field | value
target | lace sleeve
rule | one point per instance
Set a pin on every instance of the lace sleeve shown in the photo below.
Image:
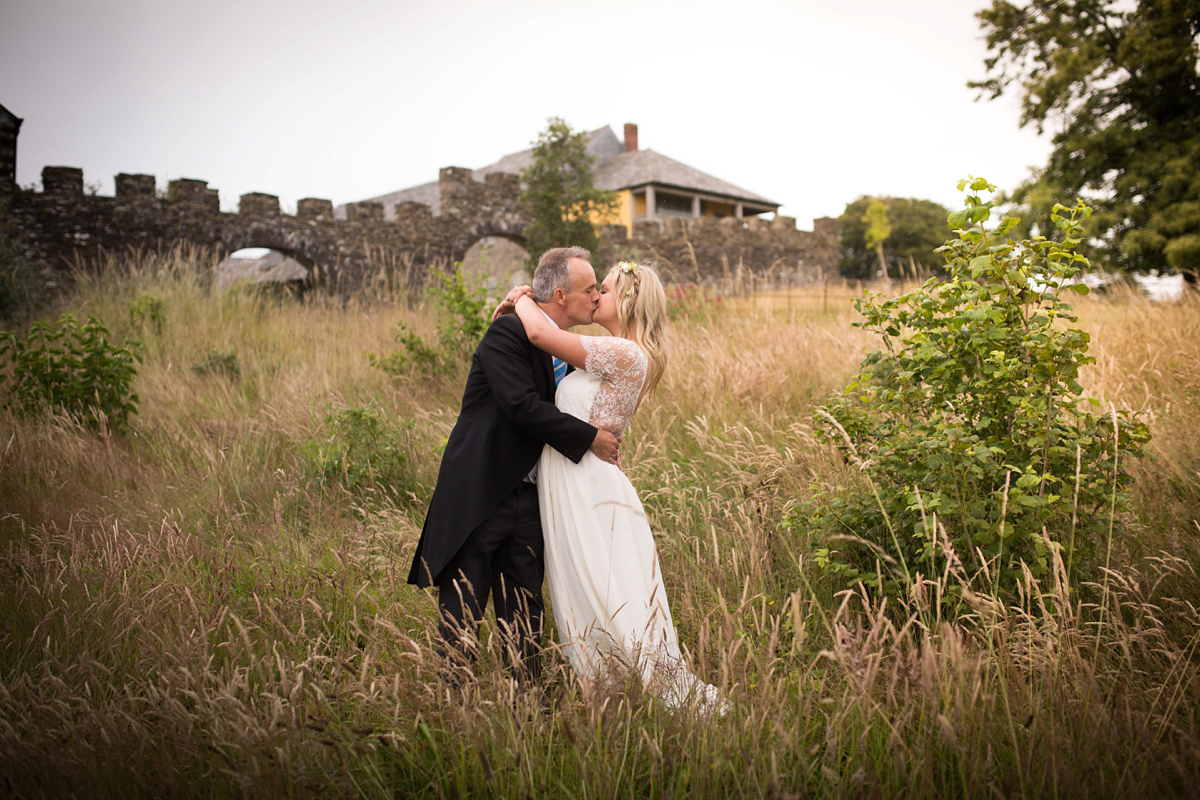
(621, 366)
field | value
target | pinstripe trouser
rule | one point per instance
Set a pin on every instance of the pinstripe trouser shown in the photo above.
(503, 557)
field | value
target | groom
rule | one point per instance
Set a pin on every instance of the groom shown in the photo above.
(483, 531)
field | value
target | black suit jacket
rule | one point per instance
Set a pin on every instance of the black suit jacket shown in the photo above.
(507, 416)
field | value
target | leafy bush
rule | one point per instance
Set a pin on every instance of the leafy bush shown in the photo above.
(970, 426)
(146, 311)
(217, 362)
(362, 454)
(70, 367)
(415, 355)
(461, 324)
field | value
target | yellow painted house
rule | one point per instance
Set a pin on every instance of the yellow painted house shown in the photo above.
(649, 186)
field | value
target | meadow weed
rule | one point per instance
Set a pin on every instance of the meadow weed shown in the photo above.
(194, 609)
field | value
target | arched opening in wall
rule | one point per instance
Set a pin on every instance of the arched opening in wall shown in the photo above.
(502, 262)
(266, 269)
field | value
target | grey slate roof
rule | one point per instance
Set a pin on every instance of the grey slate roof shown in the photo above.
(603, 144)
(427, 193)
(630, 170)
(615, 169)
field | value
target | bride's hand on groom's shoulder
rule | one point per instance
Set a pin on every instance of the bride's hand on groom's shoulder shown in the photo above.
(509, 304)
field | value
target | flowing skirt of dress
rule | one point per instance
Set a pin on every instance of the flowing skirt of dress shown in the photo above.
(602, 572)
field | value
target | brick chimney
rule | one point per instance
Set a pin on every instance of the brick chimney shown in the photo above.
(630, 137)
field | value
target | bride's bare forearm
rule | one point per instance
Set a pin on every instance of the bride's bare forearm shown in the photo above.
(547, 336)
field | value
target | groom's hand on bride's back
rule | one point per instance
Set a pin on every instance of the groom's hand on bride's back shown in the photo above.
(607, 447)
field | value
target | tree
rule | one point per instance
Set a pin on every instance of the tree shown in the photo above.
(917, 228)
(878, 229)
(1120, 86)
(559, 192)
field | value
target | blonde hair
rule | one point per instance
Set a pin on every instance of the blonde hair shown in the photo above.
(642, 315)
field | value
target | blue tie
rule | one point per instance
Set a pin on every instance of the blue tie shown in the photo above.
(560, 370)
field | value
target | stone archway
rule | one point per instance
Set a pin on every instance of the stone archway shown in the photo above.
(509, 227)
(494, 252)
(498, 262)
(321, 269)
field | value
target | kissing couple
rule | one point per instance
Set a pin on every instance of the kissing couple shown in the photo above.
(530, 485)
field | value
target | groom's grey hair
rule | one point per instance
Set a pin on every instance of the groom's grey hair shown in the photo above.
(554, 271)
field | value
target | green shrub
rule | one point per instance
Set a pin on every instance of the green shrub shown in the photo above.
(461, 320)
(461, 324)
(147, 311)
(362, 454)
(971, 427)
(70, 367)
(415, 355)
(217, 362)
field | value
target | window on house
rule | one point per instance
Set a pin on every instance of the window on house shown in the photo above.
(672, 205)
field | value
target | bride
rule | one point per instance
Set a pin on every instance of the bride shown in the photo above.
(602, 567)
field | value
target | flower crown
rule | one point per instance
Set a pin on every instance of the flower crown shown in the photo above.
(628, 268)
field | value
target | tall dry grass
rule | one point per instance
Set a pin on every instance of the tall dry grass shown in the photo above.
(188, 612)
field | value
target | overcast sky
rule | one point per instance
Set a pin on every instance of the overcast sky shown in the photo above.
(811, 104)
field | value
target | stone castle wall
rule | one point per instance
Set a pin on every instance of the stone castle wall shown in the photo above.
(10, 127)
(68, 227)
(730, 251)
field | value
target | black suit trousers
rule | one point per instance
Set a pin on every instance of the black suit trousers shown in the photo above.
(504, 557)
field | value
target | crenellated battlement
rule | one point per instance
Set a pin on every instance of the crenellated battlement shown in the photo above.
(259, 204)
(131, 188)
(70, 226)
(314, 208)
(62, 181)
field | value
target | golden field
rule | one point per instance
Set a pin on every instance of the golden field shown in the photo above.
(191, 610)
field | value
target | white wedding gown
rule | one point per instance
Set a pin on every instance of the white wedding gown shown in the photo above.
(602, 569)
